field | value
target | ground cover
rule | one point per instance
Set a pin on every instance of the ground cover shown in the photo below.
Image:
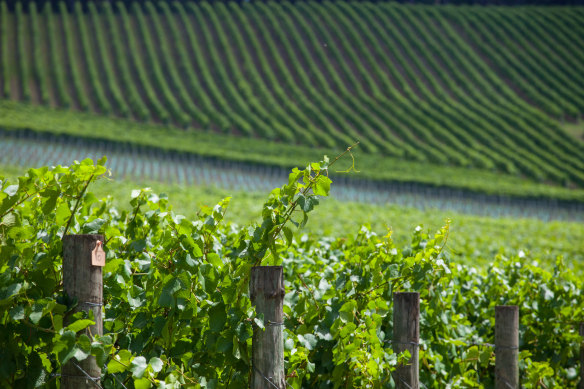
(448, 86)
(445, 96)
(474, 240)
(93, 128)
(177, 310)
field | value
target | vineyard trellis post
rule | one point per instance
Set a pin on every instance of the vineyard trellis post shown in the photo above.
(506, 347)
(84, 282)
(266, 289)
(406, 336)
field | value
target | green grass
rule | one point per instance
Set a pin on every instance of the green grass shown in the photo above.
(18, 116)
(442, 95)
(473, 239)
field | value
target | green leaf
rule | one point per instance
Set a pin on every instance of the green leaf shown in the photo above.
(36, 314)
(167, 296)
(217, 318)
(138, 366)
(63, 213)
(135, 302)
(84, 342)
(17, 313)
(50, 201)
(215, 260)
(348, 329)
(289, 344)
(307, 203)
(120, 362)
(138, 245)
(294, 176)
(224, 344)
(259, 321)
(201, 278)
(309, 341)
(392, 271)
(65, 347)
(11, 190)
(322, 186)
(115, 367)
(94, 226)
(22, 233)
(485, 357)
(288, 234)
(142, 383)
(304, 220)
(10, 291)
(35, 373)
(98, 350)
(8, 220)
(80, 325)
(80, 354)
(236, 351)
(196, 251)
(156, 363)
(112, 265)
(472, 353)
(346, 311)
(58, 321)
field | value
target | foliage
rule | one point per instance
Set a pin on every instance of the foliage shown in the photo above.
(474, 239)
(16, 121)
(462, 87)
(178, 313)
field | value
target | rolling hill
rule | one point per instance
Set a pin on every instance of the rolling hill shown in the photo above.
(482, 88)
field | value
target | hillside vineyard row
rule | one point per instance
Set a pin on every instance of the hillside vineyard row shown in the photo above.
(462, 86)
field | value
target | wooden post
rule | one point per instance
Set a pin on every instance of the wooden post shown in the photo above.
(85, 282)
(406, 336)
(506, 347)
(582, 356)
(266, 287)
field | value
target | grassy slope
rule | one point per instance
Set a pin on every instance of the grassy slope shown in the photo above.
(18, 116)
(473, 239)
(427, 78)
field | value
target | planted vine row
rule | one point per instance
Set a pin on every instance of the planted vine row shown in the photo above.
(457, 86)
(150, 164)
(177, 309)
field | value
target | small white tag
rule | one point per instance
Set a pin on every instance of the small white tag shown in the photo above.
(98, 255)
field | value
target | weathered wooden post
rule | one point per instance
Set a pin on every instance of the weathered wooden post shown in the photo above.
(506, 347)
(406, 336)
(266, 287)
(582, 356)
(82, 279)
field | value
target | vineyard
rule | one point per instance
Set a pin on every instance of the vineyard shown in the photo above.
(177, 312)
(452, 139)
(140, 164)
(481, 88)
